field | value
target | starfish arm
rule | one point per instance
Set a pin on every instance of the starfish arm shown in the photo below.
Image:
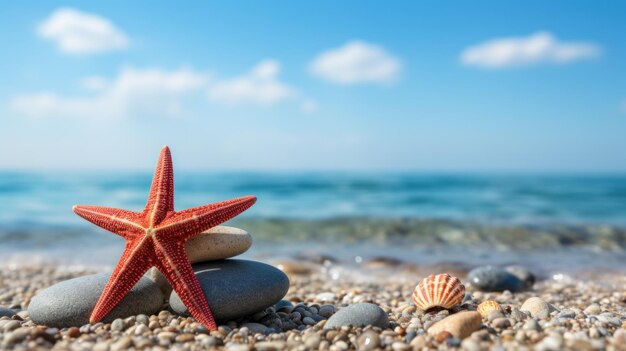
(135, 261)
(121, 222)
(188, 223)
(161, 197)
(175, 266)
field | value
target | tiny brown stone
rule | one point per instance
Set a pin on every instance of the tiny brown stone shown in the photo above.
(73, 332)
(185, 338)
(442, 336)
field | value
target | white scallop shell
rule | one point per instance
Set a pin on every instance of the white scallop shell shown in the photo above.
(441, 290)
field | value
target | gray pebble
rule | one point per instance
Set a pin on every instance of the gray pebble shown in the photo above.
(317, 318)
(295, 316)
(253, 328)
(142, 319)
(117, 325)
(410, 335)
(567, 314)
(518, 315)
(495, 314)
(236, 288)
(69, 303)
(308, 321)
(327, 311)
(360, 314)
(6, 312)
(453, 342)
(490, 278)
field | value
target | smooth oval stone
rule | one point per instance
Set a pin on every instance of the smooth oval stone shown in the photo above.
(359, 315)
(217, 243)
(69, 303)
(236, 288)
(460, 325)
(537, 307)
(489, 278)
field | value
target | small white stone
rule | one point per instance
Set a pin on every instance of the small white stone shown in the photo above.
(593, 309)
(537, 307)
(325, 297)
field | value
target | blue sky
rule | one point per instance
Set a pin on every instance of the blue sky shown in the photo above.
(322, 85)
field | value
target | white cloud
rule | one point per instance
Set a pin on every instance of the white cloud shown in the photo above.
(308, 105)
(357, 62)
(260, 87)
(77, 32)
(132, 92)
(157, 92)
(94, 83)
(541, 47)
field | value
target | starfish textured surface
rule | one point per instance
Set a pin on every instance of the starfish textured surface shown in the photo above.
(156, 237)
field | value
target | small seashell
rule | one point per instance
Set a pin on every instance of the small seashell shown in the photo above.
(487, 306)
(438, 291)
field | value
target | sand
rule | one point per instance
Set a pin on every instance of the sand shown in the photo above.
(591, 315)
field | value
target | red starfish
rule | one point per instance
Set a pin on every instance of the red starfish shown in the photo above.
(156, 237)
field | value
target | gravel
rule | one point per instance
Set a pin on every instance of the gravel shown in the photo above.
(591, 315)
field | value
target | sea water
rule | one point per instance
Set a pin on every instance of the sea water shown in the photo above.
(496, 211)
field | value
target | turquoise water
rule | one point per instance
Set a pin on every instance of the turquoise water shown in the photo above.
(46, 199)
(511, 211)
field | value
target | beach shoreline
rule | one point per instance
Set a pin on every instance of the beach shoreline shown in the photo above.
(319, 280)
(546, 247)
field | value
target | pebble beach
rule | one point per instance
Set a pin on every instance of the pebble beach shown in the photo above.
(576, 312)
(333, 281)
(321, 175)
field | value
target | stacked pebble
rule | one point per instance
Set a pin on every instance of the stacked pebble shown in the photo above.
(234, 288)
